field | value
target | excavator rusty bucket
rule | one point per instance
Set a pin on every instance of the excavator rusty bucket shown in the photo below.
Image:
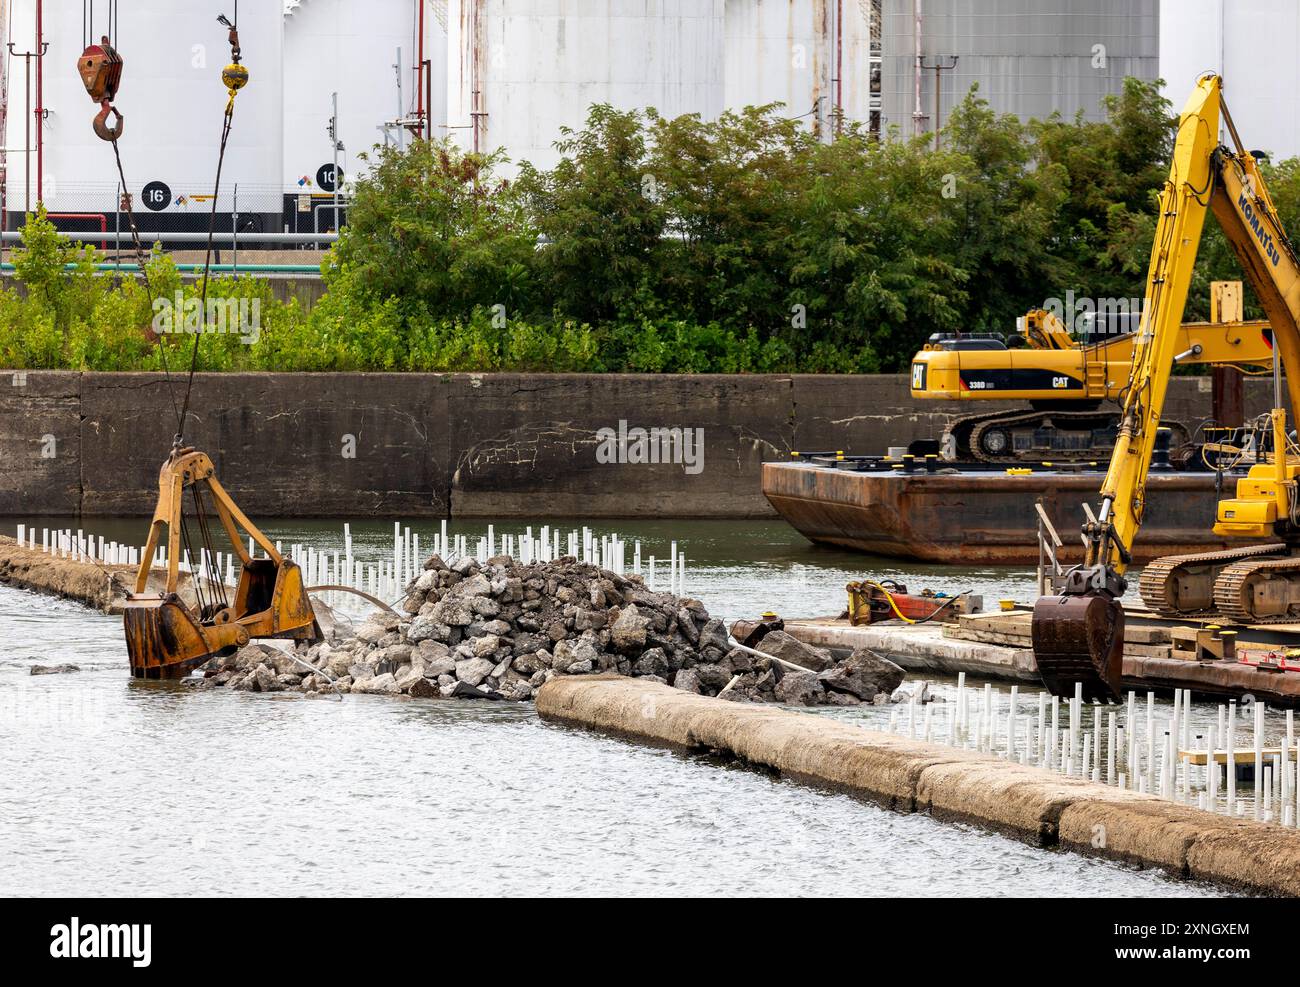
(1079, 639)
(167, 634)
(164, 639)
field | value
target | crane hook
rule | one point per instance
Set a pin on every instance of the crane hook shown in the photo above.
(234, 76)
(100, 67)
(102, 129)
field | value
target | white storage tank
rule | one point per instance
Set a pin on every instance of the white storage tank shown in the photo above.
(172, 99)
(814, 56)
(353, 49)
(1252, 44)
(518, 72)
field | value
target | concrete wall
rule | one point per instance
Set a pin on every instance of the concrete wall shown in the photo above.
(472, 445)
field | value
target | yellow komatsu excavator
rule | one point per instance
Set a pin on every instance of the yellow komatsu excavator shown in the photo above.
(1078, 635)
(1065, 382)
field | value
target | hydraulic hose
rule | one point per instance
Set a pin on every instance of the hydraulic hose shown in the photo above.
(913, 620)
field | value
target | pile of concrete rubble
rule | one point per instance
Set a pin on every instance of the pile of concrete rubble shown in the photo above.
(500, 630)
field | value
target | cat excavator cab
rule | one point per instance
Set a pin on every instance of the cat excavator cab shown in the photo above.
(1065, 382)
(1078, 633)
(167, 636)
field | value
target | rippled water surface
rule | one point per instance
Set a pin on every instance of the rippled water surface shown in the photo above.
(115, 787)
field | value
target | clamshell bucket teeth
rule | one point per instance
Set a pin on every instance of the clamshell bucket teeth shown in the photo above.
(166, 635)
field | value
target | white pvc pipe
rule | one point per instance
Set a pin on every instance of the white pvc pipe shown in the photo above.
(1259, 759)
(1110, 744)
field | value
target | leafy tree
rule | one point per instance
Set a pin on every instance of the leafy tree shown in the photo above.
(432, 229)
(599, 216)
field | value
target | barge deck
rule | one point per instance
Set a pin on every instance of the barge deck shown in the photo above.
(978, 517)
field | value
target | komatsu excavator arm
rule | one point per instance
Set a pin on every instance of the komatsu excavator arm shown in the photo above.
(1078, 635)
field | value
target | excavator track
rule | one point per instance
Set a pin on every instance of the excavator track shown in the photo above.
(976, 436)
(1260, 591)
(1187, 585)
(982, 432)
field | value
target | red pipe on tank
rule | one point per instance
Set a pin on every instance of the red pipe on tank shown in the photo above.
(40, 102)
(839, 64)
(419, 75)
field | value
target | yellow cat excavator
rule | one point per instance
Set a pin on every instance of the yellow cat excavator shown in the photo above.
(1066, 381)
(1078, 635)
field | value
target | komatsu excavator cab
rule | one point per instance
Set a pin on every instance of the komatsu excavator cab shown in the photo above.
(1265, 495)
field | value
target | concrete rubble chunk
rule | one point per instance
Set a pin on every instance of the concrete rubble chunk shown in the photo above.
(788, 648)
(864, 674)
(472, 671)
(628, 633)
(799, 689)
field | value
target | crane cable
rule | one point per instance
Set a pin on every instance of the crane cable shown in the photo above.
(207, 265)
(235, 76)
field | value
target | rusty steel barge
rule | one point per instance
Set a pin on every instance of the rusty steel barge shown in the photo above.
(977, 516)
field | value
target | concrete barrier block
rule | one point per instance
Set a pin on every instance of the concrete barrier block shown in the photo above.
(1019, 801)
(1136, 828)
(1248, 855)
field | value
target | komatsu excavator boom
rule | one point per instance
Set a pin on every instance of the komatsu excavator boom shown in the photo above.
(1078, 635)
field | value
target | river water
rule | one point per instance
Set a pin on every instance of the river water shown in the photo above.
(116, 787)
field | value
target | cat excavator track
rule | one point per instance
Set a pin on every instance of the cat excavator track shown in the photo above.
(1187, 585)
(1260, 591)
(999, 439)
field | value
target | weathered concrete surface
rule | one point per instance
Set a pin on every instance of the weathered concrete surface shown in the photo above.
(532, 439)
(284, 445)
(1037, 806)
(918, 648)
(40, 442)
(102, 587)
(438, 445)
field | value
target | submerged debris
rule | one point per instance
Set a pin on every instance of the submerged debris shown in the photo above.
(500, 630)
(54, 669)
